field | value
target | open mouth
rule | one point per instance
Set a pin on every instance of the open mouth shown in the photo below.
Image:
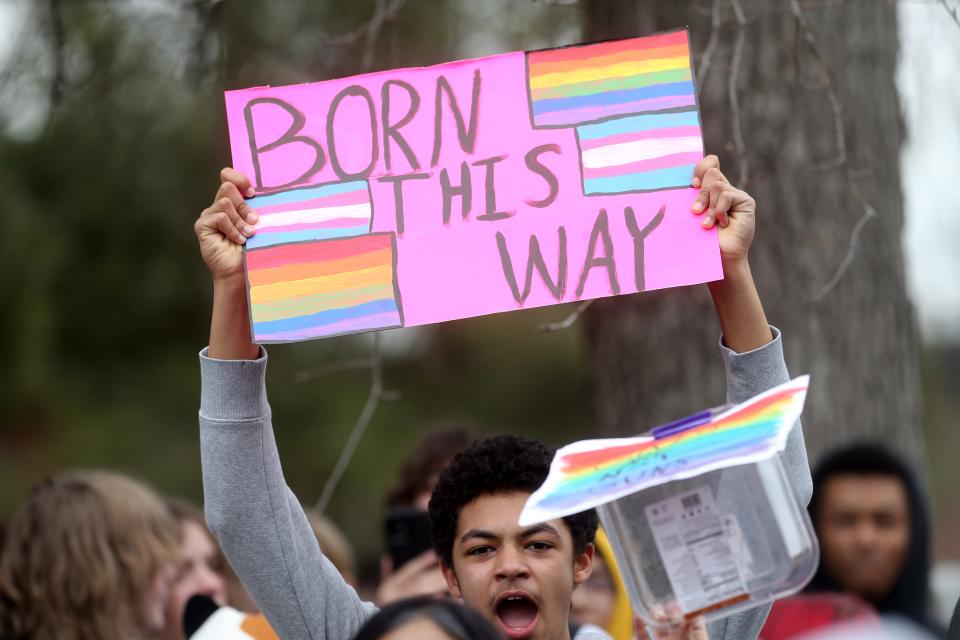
(517, 614)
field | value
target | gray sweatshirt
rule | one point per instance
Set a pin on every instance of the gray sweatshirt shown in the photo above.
(265, 534)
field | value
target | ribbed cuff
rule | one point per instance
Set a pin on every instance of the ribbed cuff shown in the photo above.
(233, 390)
(753, 372)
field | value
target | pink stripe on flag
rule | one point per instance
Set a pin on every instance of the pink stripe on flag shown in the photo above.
(663, 162)
(589, 114)
(359, 196)
(672, 132)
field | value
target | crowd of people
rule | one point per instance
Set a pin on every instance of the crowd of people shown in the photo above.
(94, 554)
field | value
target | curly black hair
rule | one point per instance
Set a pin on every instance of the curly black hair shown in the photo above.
(502, 464)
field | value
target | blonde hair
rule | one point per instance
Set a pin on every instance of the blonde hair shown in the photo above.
(81, 555)
(333, 544)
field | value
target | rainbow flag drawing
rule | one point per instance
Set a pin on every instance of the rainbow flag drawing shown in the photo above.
(589, 83)
(316, 213)
(589, 473)
(314, 268)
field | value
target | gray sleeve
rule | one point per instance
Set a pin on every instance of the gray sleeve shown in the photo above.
(257, 519)
(749, 374)
(753, 372)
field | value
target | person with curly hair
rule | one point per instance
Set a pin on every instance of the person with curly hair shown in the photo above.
(521, 579)
(474, 510)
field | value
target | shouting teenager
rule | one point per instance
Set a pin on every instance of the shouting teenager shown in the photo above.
(521, 579)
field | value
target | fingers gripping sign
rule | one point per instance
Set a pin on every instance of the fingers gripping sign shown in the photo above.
(237, 179)
(720, 203)
(225, 225)
(676, 626)
(712, 183)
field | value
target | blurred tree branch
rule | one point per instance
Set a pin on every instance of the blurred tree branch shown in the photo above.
(207, 14)
(842, 160)
(743, 178)
(707, 57)
(369, 407)
(569, 321)
(57, 41)
(952, 11)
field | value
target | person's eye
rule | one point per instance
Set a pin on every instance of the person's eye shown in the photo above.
(539, 545)
(480, 550)
(886, 521)
(844, 520)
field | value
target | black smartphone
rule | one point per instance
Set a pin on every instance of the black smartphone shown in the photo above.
(408, 534)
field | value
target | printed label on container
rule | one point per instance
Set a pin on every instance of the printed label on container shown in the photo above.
(696, 552)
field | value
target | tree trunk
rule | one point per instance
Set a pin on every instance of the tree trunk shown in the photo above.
(653, 357)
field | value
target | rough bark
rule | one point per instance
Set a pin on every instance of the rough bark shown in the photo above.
(653, 356)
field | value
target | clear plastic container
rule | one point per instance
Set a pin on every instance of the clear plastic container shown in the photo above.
(716, 544)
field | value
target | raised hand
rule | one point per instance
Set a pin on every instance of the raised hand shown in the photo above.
(735, 297)
(225, 225)
(722, 204)
(222, 229)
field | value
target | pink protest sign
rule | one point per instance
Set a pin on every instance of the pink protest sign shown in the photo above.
(415, 196)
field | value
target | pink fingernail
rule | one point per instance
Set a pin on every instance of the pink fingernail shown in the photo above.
(249, 230)
(696, 182)
(251, 192)
(698, 206)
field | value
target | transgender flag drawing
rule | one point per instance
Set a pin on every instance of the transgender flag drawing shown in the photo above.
(640, 153)
(317, 213)
(315, 269)
(633, 106)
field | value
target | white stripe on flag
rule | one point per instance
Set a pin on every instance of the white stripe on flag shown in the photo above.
(637, 150)
(284, 218)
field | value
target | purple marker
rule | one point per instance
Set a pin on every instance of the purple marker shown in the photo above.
(685, 424)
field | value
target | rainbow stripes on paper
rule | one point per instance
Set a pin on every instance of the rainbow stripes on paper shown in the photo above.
(323, 288)
(640, 153)
(589, 83)
(315, 270)
(316, 213)
(589, 473)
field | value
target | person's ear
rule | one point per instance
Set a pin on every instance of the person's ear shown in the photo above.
(450, 576)
(583, 564)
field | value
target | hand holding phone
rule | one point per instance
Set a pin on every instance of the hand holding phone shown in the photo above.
(408, 534)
